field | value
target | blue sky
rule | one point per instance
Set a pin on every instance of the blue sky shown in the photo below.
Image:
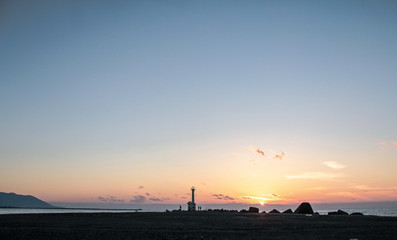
(160, 81)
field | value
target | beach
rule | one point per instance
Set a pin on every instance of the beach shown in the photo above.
(194, 225)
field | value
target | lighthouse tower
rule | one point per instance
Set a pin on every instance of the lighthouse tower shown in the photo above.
(191, 206)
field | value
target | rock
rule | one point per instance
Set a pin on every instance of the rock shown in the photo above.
(304, 208)
(243, 211)
(263, 211)
(274, 211)
(316, 213)
(357, 214)
(339, 212)
(288, 211)
(253, 210)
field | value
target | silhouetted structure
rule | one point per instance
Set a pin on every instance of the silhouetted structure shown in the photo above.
(339, 212)
(191, 206)
(304, 208)
(274, 211)
(253, 210)
(288, 211)
(357, 214)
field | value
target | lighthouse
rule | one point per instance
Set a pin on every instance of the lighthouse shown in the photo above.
(191, 206)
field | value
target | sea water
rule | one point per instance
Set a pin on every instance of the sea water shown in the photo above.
(58, 210)
(392, 212)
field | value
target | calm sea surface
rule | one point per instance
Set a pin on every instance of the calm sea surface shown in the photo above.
(366, 211)
(56, 210)
(392, 212)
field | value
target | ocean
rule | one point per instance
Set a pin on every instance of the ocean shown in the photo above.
(58, 210)
(391, 212)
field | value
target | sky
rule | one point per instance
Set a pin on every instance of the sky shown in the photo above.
(251, 102)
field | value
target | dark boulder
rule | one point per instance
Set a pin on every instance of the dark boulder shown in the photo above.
(288, 211)
(357, 214)
(243, 211)
(274, 211)
(339, 212)
(253, 210)
(263, 211)
(304, 208)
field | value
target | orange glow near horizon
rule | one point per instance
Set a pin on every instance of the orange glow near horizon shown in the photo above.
(251, 178)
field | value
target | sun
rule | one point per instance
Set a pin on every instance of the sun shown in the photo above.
(262, 203)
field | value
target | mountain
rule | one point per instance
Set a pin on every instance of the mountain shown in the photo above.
(16, 200)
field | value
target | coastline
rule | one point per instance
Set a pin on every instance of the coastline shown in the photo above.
(194, 225)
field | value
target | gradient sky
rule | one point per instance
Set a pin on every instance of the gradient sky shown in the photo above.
(135, 102)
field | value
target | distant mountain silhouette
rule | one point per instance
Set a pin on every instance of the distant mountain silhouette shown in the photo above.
(16, 200)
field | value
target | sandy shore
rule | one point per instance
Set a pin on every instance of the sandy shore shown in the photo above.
(199, 225)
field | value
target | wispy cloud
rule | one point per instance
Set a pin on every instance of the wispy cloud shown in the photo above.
(155, 199)
(228, 198)
(334, 164)
(223, 197)
(314, 175)
(110, 199)
(385, 145)
(272, 197)
(138, 199)
(141, 187)
(370, 188)
(257, 150)
(315, 188)
(259, 198)
(279, 156)
(147, 194)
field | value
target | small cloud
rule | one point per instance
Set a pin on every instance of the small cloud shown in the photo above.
(257, 150)
(141, 187)
(274, 195)
(138, 199)
(155, 199)
(334, 164)
(217, 196)
(228, 198)
(183, 197)
(313, 175)
(147, 194)
(102, 199)
(394, 143)
(382, 143)
(110, 199)
(279, 156)
(223, 197)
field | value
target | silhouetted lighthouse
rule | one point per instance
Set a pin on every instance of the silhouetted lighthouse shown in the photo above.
(191, 206)
(193, 194)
